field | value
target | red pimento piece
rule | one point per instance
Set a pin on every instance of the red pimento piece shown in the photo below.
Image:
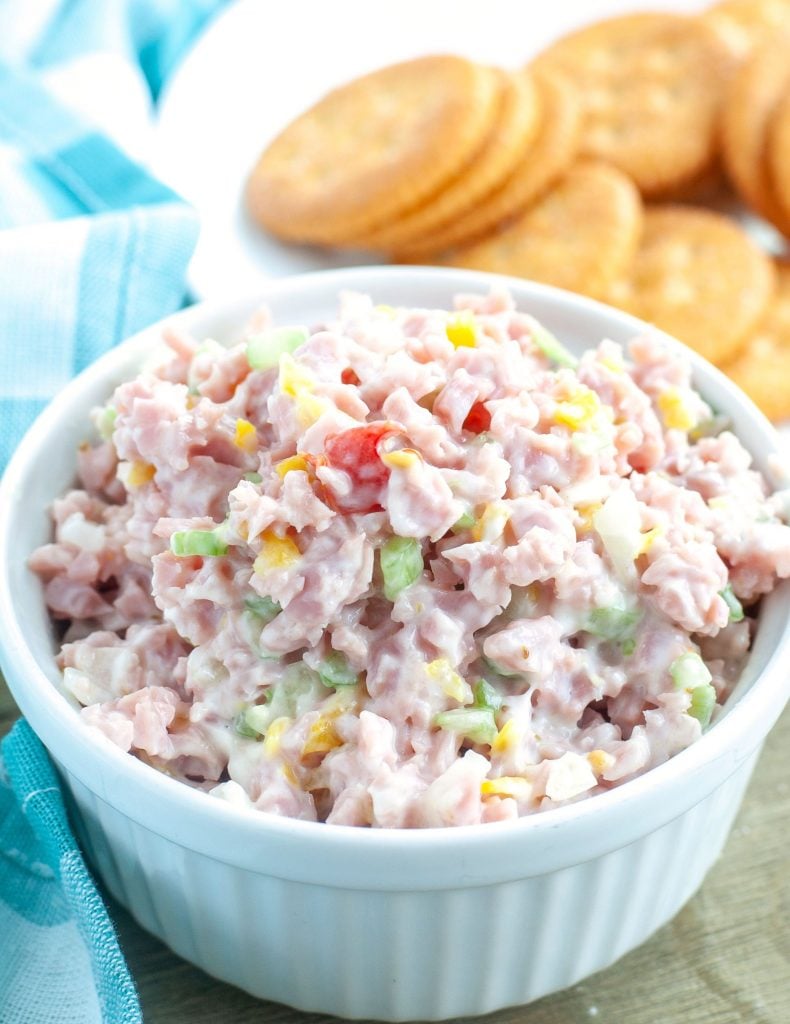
(356, 452)
(478, 419)
(349, 377)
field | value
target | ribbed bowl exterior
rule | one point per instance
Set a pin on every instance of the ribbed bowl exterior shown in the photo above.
(405, 955)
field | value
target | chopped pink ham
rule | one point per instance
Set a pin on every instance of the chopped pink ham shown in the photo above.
(383, 582)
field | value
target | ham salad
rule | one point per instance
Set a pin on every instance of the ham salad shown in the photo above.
(409, 568)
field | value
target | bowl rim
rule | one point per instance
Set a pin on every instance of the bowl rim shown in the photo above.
(747, 718)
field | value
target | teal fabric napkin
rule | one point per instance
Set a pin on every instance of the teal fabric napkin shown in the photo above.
(60, 962)
(92, 248)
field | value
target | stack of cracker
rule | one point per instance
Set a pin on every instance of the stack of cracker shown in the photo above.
(575, 171)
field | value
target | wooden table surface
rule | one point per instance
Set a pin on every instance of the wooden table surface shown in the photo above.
(725, 959)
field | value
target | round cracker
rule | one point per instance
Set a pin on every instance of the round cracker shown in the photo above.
(698, 277)
(751, 102)
(744, 24)
(779, 155)
(581, 235)
(651, 88)
(372, 149)
(514, 127)
(763, 368)
(549, 156)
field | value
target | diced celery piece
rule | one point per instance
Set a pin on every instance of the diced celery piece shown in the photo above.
(613, 623)
(258, 718)
(401, 564)
(497, 668)
(254, 478)
(465, 522)
(299, 691)
(335, 670)
(711, 427)
(487, 696)
(105, 422)
(628, 647)
(732, 602)
(242, 728)
(689, 671)
(264, 608)
(197, 542)
(264, 350)
(251, 626)
(552, 348)
(703, 701)
(475, 723)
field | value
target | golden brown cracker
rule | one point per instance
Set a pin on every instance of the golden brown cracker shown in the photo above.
(580, 235)
(763, 367)
(751, 102)
(512, 131)
(699, 277)
(778, 156)
(651, 88)
(372, 149)
(549, 156)
(744, 24)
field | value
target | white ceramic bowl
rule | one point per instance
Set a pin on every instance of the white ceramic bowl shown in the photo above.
(374, 923)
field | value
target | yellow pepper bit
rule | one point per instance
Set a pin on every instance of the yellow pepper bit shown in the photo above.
(676, 410)
(491, 525)
(295, 462)
(321, 738)
(506, 785)
(276, 553)
(274, 735)
(586, 513)
(648, 539)
(454, 685)
(246, 436)
(140, 473)
(580, 410)
(600, 760)
(461, 329)
(298, 383)
(402, 458)
(506, 738)
(613, 364)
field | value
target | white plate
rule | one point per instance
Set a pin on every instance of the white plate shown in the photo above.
(260, 64)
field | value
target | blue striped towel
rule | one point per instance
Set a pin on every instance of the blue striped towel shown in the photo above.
(92, 248)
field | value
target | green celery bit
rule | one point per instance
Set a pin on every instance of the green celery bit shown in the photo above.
(711, 427)
(265, 608)
(197, 542)
(335, 670)
(257, 719)
(264, 350)
(251, 626)
(487, 696)
(475, 723)
(242, 728)
(703, 701)
(689, 672)
(254, 478)
(613, 623)
(732, 602)
(506, 673)
(552, 348)
(465, 522)
(106, 422)
(298, 691)
(628, 647)
(401, 564)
